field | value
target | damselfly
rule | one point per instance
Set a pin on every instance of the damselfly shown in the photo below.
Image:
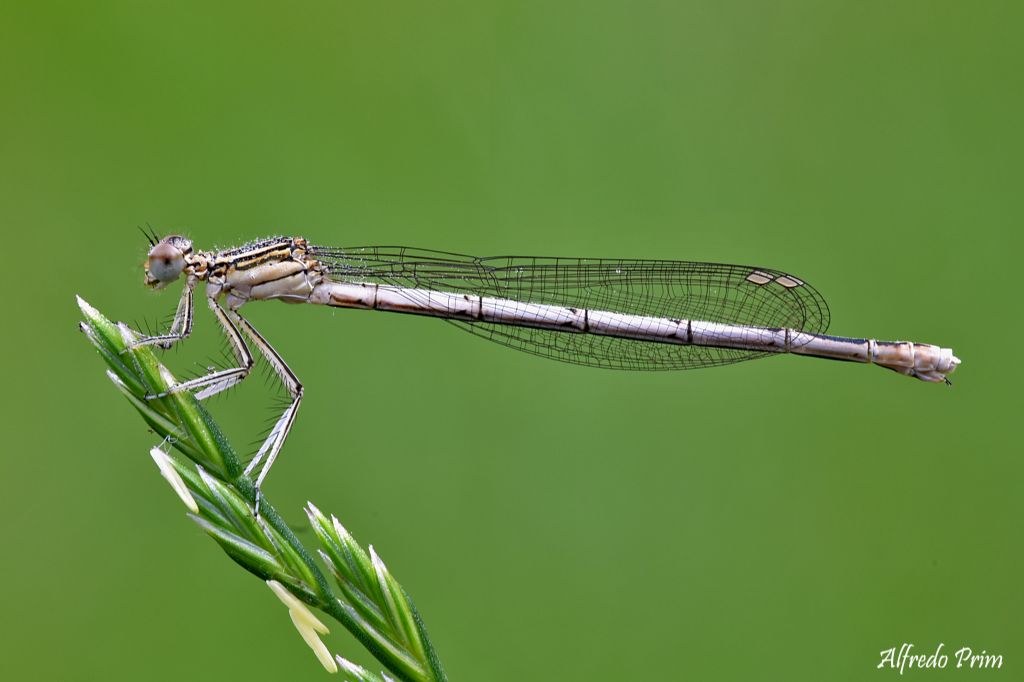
(619, 314)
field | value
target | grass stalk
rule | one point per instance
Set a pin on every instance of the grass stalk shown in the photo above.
(208, 476)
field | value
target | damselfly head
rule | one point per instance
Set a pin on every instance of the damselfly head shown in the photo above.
(166, 261)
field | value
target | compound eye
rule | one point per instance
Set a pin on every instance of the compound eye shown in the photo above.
(164, 264)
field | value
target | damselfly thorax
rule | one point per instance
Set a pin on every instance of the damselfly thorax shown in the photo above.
(617, 314)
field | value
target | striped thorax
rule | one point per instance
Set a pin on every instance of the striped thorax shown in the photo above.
(276, 268)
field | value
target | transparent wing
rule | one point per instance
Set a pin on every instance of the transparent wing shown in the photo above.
(712, 292)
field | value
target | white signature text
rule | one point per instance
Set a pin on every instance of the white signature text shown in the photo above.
(903, 658)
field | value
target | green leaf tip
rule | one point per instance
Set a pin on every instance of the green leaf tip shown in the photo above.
(86, 309)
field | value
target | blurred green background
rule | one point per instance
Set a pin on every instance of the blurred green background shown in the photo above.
(785, 518)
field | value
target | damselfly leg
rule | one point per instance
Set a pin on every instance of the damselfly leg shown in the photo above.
(220, 380)
(234, 325)
(180, 328)
(272, 445)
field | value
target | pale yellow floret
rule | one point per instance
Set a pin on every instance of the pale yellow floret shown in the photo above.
(306, 623)
(163, 462)
(318, 647)
(293, 604)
